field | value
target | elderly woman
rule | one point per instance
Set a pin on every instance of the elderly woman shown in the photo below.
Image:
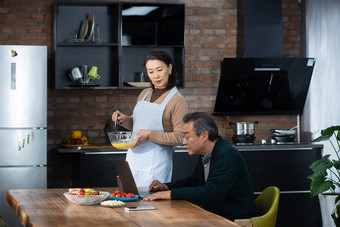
(156, 121)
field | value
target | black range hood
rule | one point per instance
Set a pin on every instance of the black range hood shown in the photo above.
(263, 86)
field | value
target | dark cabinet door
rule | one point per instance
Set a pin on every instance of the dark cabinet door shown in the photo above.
(97, 170)
(288, 170)
(184, 164)
(298, 209)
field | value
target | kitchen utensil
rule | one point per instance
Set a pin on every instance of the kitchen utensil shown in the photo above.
(93, 74)
(121, 139)
(115, 123)
(87, 199)
(85, 79)
(75, 74)
(244, 128)
(140, 77)
(116, 126)
(284, 131)
(96, 35)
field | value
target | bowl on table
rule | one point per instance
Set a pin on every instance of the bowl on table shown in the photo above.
(86, 199)
(121, 139)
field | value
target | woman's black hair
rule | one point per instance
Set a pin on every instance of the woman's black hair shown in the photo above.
(164, 57)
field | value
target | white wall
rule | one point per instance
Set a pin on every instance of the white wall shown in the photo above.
(322, 108)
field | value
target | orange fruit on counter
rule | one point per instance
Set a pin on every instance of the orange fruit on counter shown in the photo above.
(76, 134)
(85, 140)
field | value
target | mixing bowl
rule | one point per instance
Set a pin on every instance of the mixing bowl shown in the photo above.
(121, 140)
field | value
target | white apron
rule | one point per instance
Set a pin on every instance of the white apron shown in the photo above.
(150, 161)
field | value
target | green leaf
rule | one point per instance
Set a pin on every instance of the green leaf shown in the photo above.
(327, 133)
(321, 138)
(335, 215)
(322, 164)
(319, 185)
(318, 174)
(336, 164)
(337, 199)
(319, 180)
(330, 130)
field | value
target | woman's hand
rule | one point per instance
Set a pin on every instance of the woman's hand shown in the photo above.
(118, 116)
(142, 135)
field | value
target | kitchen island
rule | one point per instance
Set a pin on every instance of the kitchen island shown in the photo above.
(283, 165)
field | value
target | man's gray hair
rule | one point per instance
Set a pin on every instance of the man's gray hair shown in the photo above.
(202, 122)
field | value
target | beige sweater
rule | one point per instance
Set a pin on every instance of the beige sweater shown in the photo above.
(173, 114)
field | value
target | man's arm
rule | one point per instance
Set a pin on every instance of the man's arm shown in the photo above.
(159, 195)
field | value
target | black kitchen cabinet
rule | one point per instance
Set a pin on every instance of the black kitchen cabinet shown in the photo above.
(127, 32)
(96, 169)
(287, 167)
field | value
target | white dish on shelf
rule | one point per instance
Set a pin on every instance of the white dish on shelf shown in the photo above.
(139, 84)
(83, 29)
(90, 19)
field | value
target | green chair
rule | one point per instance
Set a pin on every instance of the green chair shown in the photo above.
(267, 204)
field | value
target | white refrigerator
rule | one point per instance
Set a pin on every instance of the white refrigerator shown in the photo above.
(23, 122)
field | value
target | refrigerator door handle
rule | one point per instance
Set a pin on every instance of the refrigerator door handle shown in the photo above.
(13, 76)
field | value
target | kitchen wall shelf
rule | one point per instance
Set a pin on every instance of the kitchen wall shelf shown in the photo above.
(126, 35)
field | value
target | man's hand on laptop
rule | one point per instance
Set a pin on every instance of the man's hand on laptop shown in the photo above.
(157, 186)
(163, 191)
(159, 195)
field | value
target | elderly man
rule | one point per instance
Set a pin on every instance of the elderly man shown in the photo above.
(220, 182)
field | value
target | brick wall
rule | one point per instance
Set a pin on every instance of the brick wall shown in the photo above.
(211, 34)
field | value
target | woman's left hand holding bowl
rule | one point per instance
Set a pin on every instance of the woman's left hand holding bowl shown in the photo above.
(142, 135)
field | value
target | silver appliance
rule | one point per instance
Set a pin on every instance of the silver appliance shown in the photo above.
(23, 122)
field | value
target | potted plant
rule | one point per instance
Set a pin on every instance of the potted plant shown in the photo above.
(326, 171)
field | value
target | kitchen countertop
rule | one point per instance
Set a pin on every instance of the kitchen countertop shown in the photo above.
(245, 147)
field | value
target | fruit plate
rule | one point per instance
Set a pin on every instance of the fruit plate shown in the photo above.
(123, 199)
(87, 200)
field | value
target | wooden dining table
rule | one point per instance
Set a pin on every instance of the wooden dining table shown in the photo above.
(49, 207)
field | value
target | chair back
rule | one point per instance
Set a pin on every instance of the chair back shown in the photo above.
(2, 222)
(267, 204)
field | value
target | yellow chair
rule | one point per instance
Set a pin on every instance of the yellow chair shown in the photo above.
(267, 204)
(2, 222)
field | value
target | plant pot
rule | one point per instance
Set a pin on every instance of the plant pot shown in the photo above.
(327, 205)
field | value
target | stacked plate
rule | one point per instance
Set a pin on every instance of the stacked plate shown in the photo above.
(87, 27)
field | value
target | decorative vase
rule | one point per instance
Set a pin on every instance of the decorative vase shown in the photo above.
(327, 205)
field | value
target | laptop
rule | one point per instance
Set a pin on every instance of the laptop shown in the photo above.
(125, 180)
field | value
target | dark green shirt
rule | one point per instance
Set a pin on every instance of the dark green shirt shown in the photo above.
(228, 190)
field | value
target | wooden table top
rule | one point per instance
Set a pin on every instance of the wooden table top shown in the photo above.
(49, 207)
